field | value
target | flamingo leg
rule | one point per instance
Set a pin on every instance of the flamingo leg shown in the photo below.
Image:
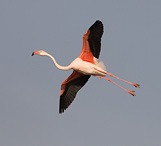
(131, 92)
(134, 84)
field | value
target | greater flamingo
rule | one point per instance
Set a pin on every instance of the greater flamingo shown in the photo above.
(84, 66)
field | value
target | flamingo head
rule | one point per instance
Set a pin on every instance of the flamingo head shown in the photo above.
(41, 53)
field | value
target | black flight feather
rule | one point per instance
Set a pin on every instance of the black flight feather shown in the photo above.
(70, 92)
(94, 38)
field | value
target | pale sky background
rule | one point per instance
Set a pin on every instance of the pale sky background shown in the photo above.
(102, 114)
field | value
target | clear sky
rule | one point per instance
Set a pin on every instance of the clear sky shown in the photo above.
(102, 114)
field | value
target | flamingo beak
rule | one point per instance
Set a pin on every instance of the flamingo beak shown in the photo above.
(35, 52)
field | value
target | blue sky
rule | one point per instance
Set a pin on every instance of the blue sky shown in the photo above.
(101, 114)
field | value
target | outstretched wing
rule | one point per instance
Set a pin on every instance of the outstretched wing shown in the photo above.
(69, 89)
(94, 38)
(92, 42)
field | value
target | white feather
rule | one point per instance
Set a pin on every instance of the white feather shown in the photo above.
(101, 65)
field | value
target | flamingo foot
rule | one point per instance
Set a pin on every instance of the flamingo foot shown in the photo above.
(136, 85)
(132, 93)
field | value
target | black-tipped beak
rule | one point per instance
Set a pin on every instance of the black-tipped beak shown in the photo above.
(33, 54)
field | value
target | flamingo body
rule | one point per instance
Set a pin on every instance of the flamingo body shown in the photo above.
(84, 66)
(87, 68)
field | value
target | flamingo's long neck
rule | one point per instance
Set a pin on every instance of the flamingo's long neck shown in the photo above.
(57, 65)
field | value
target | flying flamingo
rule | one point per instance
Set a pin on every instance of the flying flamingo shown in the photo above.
(84, 66)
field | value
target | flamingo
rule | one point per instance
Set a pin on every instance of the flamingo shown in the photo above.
(84, 66)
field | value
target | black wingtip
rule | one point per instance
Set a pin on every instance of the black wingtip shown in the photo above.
(97, 23)
(32, 54)
(61, 111)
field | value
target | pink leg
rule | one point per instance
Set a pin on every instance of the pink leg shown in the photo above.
(134, 84)
(131, 92)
